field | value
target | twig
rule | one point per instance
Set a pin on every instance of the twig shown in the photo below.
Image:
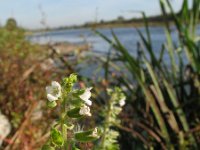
(22, 127)
(134, 133)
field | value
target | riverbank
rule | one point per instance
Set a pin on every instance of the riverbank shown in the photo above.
(66, 48)
(116, 23)
(100, 26)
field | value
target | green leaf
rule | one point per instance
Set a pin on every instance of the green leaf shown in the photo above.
(51, 104)
(75, 148)
(56, 137)
(73, 78)
(77, 102)
(47, 147)
(85, 136)
(77, 93)
(74, 113)
(68, 82)
(69, 126)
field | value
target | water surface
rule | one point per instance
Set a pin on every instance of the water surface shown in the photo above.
(129, 37)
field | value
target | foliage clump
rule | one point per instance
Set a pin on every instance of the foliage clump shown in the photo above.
(21, 77)
(110, 112)
(74, 105)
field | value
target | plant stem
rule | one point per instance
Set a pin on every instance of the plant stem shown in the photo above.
(106, 124)
(63, 127)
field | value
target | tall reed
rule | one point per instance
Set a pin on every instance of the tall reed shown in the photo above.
(170, 93)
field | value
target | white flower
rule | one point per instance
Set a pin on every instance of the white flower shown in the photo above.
(5, 128)
(85, 110)
(122, 101)
(53, 91)
(86, 95)
(95, 133)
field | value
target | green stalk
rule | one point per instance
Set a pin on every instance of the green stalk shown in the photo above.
(106, 125)
(157, 114)
(179, 111)
(63, 127)
(160, 98)
(170, 49)
(150, 99)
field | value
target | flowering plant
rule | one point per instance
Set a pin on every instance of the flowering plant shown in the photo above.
(74, 104)
(110, 113)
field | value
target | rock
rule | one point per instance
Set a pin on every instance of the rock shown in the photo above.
(67, 48)
(5, 128)
(48, 64)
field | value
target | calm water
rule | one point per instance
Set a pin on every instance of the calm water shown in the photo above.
(128, 37)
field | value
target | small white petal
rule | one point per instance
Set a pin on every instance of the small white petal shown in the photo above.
(86, 95)
(53, 91)
(122, 101)
(90, 88)
(51, 97)
(58, 94)
(88, 102)
(85, 110)
(95, 133)
(49, 89)
(55, 84)
(5, 128)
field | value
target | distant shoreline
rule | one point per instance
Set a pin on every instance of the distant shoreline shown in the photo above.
(131, 25)
(103, 26)
(134, 22)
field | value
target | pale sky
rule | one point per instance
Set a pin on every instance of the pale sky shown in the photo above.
(28, 13)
